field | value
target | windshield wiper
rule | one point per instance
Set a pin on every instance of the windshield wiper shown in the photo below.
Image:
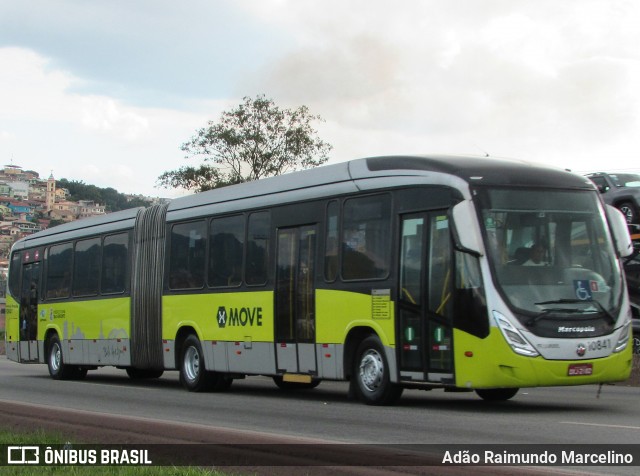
(542, 314)
(563, 301)
(545, 312)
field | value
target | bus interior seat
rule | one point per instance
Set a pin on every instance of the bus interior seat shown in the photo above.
(521, 255)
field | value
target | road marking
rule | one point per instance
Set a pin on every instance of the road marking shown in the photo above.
(625, 427)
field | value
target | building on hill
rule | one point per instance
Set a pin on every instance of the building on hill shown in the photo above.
(29, 204)
(50, 193)
(25, 227)
(18, 208)
(89, 208)
(14, 173)
(64, 210)
(19, 190)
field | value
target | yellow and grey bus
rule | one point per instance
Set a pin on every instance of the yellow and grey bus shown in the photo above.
(399, 272)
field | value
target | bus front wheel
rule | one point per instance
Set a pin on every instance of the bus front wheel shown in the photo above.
(496, 394)
(371, 371)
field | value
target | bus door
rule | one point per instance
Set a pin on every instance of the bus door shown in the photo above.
(295, 300)
(28, 348)
(424, 304)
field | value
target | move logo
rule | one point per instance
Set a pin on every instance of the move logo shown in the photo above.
(239, 317)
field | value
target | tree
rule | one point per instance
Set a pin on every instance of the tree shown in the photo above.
(255, 140)
(109, 197)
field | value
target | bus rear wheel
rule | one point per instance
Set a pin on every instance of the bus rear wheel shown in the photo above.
(193, 375)
(371, 371)
(58, 370)
(496, 394)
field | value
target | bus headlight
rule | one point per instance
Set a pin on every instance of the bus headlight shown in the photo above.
(516, 340)
(623, 340)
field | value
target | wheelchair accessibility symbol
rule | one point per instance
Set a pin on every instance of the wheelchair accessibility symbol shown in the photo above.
(582, 288)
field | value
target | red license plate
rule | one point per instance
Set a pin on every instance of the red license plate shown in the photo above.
(580, 369)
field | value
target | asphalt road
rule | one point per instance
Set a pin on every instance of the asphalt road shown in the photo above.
(255, 406)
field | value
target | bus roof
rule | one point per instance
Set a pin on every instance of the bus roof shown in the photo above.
(346, 175)
(342, 178)
(484, 170)
(111, 222)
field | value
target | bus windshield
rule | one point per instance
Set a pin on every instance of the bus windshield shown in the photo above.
(552, 253)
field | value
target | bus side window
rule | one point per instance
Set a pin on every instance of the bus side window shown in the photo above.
(114, 263)
(331, 242)
(187, 259)
(366, 237)
(470, 301)
(226, 244)
(86, 266)
(14, 275)
(257, 248)
(59, 271)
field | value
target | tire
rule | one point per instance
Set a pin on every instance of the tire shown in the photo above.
(140, 374)
(193, 375)
(629, 212)
(282, 385)
(371, 372)
(496, 394)
(58, 370)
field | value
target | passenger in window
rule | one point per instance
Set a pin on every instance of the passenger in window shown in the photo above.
(537, 256)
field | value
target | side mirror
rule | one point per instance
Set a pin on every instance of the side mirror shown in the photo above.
(465, 228)
(618, 224)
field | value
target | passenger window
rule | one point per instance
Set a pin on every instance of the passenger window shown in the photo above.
(114, 263)
(257, 248)
(331, 242)
(226, 245)
(86, 267)
(59, 271)
(366, 238)
(14, 274)
(187, 255)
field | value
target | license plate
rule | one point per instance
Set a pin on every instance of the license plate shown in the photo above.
(580, 369)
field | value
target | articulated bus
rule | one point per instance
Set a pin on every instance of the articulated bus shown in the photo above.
(457, 273)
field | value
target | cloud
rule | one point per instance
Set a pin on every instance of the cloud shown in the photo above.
(145, 52)
(97, 139)
(106, 115)
(549, 81)
(27, 86)
(125, 83)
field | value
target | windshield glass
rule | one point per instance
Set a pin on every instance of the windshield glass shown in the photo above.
(551, 253)
(626, 180)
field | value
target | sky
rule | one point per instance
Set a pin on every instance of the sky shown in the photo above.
(106, 91)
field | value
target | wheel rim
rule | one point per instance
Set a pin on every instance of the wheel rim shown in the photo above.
(371, 370)
(55, 357)
(192, 363)
(628, 213)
